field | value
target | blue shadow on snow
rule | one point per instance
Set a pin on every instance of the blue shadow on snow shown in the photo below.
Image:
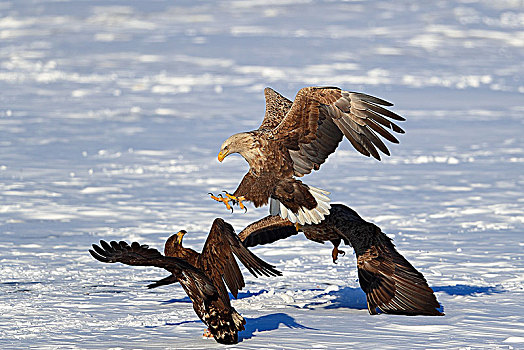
(462, 289)
(268, 323)
(259, 324)
(355, 298)
(347, 297)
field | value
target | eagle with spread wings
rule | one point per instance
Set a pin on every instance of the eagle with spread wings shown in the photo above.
(201, 275)
(296, 138)
(392, 285)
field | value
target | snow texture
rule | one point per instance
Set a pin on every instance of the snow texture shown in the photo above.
(111, 117)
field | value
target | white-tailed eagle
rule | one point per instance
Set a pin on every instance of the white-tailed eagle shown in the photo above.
(296, 138)
(392, 285)
(201, 275)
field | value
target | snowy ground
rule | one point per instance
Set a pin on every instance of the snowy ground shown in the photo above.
(111, 116)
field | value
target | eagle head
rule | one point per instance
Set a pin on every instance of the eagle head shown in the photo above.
(180, 235)
(174, 243)
(243, 143)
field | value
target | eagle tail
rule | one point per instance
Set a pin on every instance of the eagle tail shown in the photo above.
(309, 216)
(226, 326)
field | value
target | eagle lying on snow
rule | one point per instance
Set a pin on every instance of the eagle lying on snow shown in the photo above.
(296, 138)
(390, 282)
(201, 275)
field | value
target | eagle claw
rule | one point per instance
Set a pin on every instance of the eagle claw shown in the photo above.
(236, 200)
(335, 253)
(207, 334)
(222, 199)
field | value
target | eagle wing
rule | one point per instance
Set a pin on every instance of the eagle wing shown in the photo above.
(320, 117)
(390, 282)
(267, 230)
(217, 258)
(196, 284)
(393, 285)
(277, 107)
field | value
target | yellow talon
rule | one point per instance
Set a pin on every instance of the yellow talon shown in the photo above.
(237, 200)
(224, 200)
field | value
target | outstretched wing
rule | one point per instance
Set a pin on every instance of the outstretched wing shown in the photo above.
(277, 107)
(267, 230)
(194, 281)
(320, 116)
(390, 282)
(218, 261)
(393, 285)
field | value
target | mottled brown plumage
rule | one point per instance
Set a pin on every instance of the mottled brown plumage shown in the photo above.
(297, 137)
(201, 275)
(390, 282)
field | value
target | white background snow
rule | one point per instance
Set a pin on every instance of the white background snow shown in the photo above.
(111, 117)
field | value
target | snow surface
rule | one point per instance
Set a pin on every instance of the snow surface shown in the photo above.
(111, 116)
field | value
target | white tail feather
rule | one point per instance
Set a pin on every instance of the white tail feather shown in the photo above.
(291, 217)
(283, 211)
(316, 215)
(305, 216)
(300, 216)
(319, 190)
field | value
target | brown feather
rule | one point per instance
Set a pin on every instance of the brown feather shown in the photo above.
(383, 111)
(373, 99)
(381, 131)
(277, 107)
(267, 230)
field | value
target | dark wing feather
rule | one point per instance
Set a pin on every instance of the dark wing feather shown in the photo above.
(393, 285)
(218, 261)
(319, 117)
(267, 230)
(163, 282)
(192, 279)
(277, 107)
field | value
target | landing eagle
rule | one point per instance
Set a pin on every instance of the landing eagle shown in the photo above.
(296, 138)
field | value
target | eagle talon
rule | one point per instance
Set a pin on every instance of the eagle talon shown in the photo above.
(207, 334)
(236, 200)
(222, 199)
(335, 253)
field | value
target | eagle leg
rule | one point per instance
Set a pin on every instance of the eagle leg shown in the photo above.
(237, 200)
(336, 252)
(222, 199)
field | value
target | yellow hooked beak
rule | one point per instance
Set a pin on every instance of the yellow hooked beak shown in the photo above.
(180, 235)
(222, 155)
